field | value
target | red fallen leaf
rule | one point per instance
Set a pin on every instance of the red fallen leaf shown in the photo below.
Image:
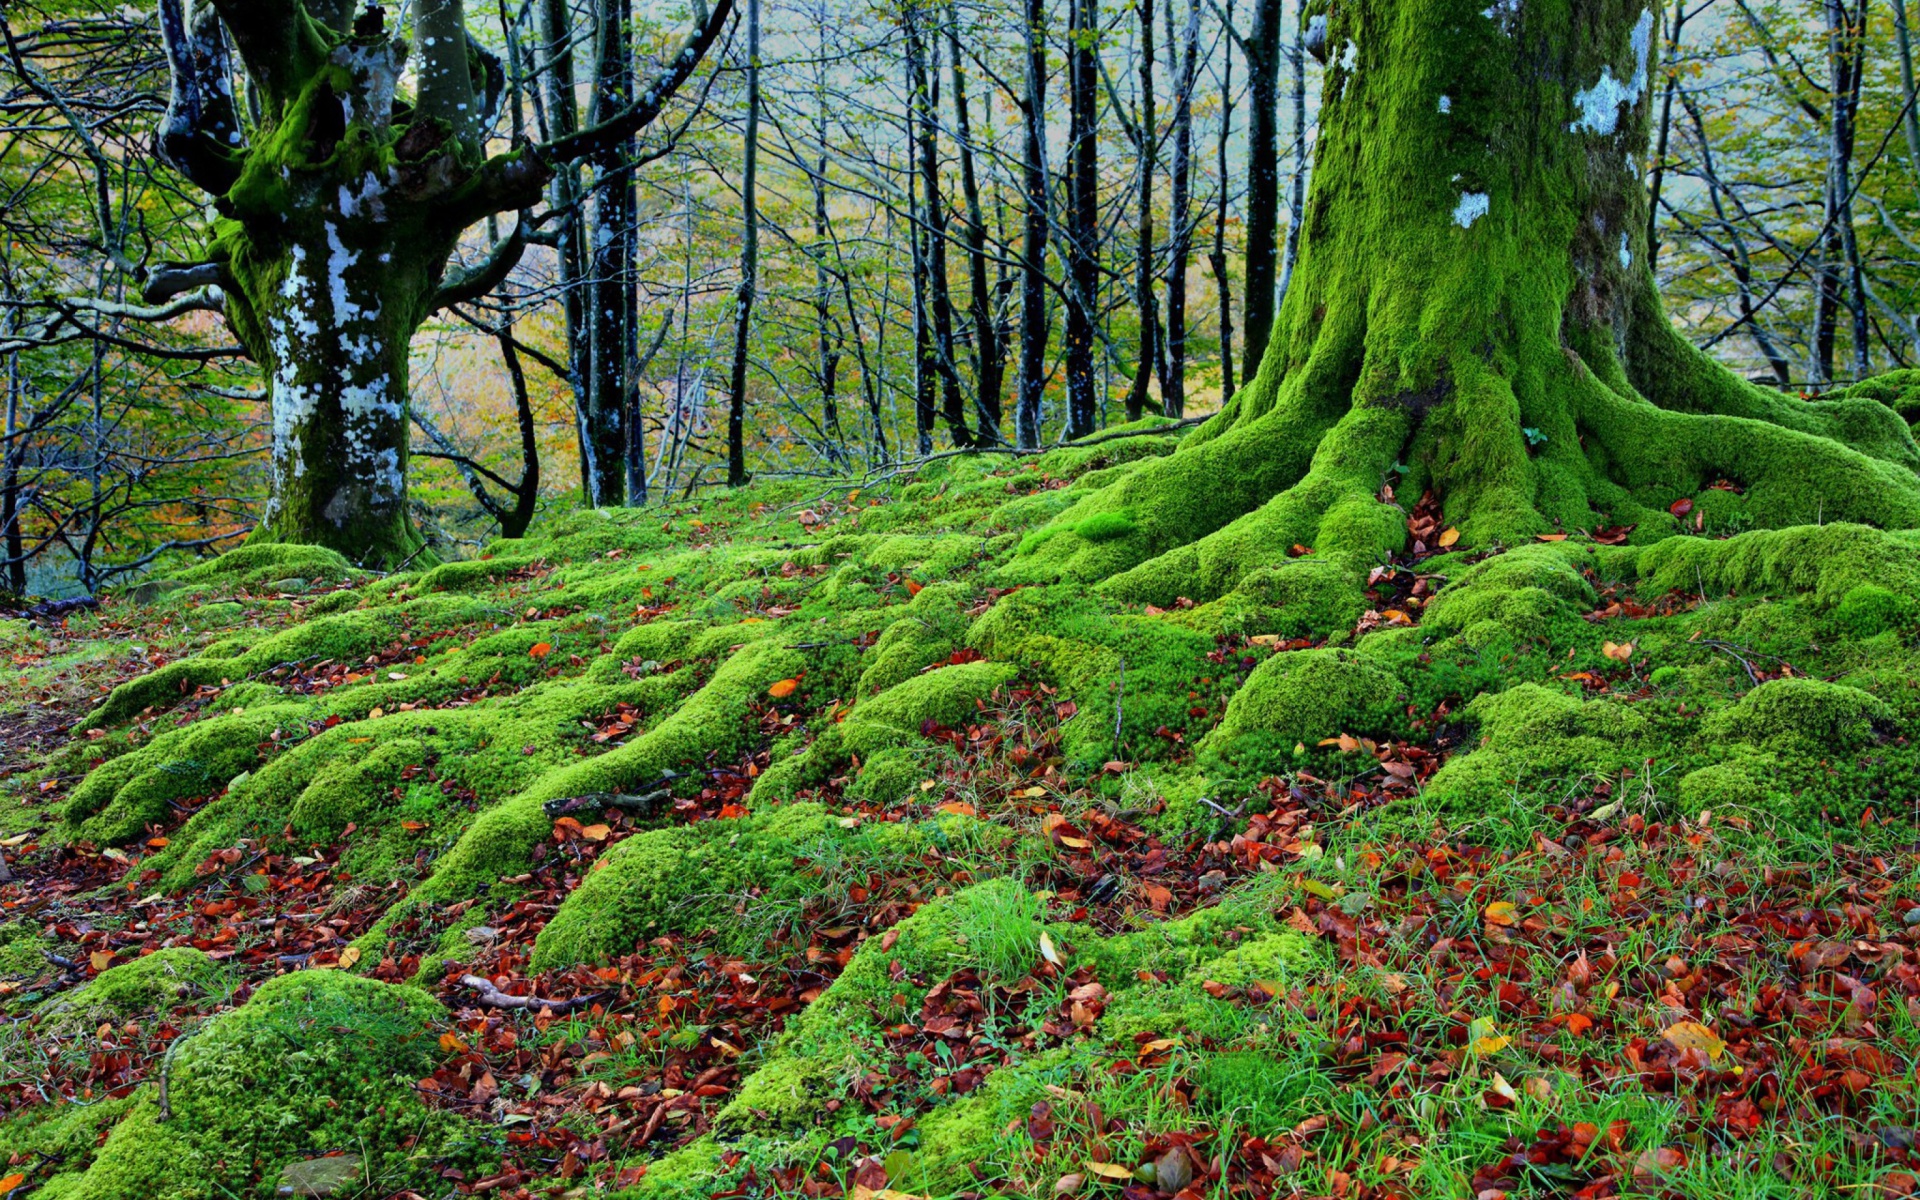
(1681, 507)
(540, 649)
(913, 589)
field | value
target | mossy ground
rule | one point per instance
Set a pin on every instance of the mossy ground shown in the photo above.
(866, 747)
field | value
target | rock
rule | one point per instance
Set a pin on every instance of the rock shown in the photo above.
(321, 1176)
(1912, 917)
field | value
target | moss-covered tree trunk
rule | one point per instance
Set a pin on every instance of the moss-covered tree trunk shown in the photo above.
(340, 205)
(1472, 313)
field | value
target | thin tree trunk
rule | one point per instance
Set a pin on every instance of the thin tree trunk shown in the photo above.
(1083, 216)
(1910, 121)
(829, 340)
(1662, 132)
(610, 315)
(1179, 228)
(1297, 194)
(1223, 281)
(10, 454)
(1143, 268)
(1742, 262)
(990, 352)
(749, 260)
(923, 79)
(1262, 49)
(1035, 327)
(562, 113)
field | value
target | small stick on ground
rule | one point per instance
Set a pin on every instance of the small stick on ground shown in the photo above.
(493, 997)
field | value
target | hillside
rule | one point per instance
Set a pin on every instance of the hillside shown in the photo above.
(852, 838)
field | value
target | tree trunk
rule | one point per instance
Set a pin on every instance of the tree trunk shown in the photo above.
(1179, 227)
(1035, 327)
(1662, 134)
(11, 452)
(610, 235)
(1910, 114)
(1297, 186)
(1217, 259)
(1083, 212)
(990, 353)
(563, 119)
(1262, 49)
(749, 260)
(828, 333)
(933, 215)
(1149, 147)
(1473, 314)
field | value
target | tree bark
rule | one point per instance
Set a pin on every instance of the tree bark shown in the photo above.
(1149, 156)
(989, 351)
(749, 260)
(610, 234)
(1179, 226)
(1473, 314)
(1035, 325)
(1083, 213)
(923, 78)
(1262, 48)
(1217, 258)
(1297, 186)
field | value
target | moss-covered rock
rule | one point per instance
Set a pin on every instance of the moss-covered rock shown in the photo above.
(1307, 695)
(314, 1062)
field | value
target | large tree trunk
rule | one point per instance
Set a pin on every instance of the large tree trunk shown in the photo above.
(1473, 307)
(610, 306)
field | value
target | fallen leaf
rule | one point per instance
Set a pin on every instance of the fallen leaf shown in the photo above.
(784, 688)
(1617, 651)
(1484, 1037)
(1118, 1174)
(348, 957)
(1680, 507)
(1500, 912)
(957, 808)
(1449, 537)
(1048, 952)
(1550, 537)
(540, 649)
(1692, 1035)
(11, 1182)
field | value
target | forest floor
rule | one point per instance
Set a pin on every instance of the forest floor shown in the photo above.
(742, 853)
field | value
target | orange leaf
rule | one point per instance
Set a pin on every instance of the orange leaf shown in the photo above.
(11, 1182)
(1500, 912)
(1449, 538)
(783, 689)
(451, 1043)
(1578, 1023)
(540, 649)
(1618, 651)
(1550, 537)
(101, 959)
(957, 808)
(596, 833)
(1680, 507)
(913, 589)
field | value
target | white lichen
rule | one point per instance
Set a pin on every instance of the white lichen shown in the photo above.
(1446, 103)
(1626, 254)
(1599, 106)
(1472, 206)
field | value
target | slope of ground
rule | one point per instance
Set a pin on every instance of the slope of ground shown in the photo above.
(827, 841)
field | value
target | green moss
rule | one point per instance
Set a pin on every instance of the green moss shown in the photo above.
(931, 630)
(120, 798)
(1524, 591)
(1822, 562)
(258, 564)
(948, 696)
(313, 1062)
(153, 983)
(1802, 713)
(1262, 1092)
(1307, 695)
(20, 947)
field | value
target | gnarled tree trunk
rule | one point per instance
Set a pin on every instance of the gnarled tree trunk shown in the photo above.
(1472, 313)
(338, 217)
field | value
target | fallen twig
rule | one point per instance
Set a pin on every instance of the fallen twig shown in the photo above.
(493, 997)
